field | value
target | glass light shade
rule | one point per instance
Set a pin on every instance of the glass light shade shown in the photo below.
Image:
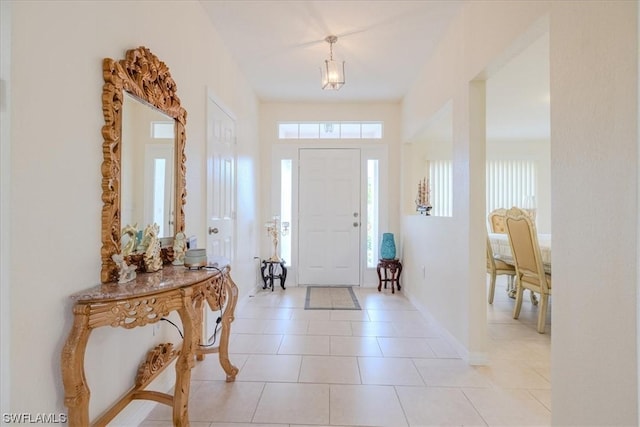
(332, 74)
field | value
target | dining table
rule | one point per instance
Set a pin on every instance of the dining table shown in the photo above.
(502, 249)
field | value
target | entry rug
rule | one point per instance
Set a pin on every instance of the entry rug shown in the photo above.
(331, 298)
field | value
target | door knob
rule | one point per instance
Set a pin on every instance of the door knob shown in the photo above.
(355, 224)
(213, 230)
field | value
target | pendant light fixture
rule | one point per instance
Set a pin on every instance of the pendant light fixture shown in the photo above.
(332, 71)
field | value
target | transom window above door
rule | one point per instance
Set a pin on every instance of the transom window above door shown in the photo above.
(330, 130)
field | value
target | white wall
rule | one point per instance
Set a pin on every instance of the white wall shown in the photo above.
(593, 57)
(5, 188)
(389, 113)
(56, 152)
(594, 143)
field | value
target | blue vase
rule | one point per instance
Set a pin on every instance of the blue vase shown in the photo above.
(388, 246)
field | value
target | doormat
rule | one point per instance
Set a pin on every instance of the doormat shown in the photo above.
(331, 298)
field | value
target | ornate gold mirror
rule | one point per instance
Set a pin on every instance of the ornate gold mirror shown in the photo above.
(139, 78)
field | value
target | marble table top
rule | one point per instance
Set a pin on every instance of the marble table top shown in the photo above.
(170, 277)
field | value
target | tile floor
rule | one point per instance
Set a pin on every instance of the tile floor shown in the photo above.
(382, 366)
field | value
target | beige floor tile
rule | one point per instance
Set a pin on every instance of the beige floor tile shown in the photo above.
(519, 331)
(302, 314)
(450, 373)
(166, 423)
(247, 326)
(395, 316)
(225, 402)
(366, 405)
(508, 374)
(442, 348)
(389, 371)
(405, 347)
(368, 366)
(251, 312)
(244, 425)
(330, 327)
(543, 396)
(271, 367)
(329, 370)
(305, 344)
(355, 346)
(373, 329)
(280, 326)
(292, 297)
(210, 370)
(514, 350)
(293, 404)
(254, 344)
(416, 329)
(383, 301)
(352, 315)
(432, 406)
(508, 407)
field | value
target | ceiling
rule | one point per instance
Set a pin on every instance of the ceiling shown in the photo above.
(279, 45)
(517, 101)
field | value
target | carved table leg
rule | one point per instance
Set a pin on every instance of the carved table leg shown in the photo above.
(271, 275)
(283, 275)
(76, 390)
(185, 361)
(399, 274)
(198, 325)
(393, 271)
(227, 318)
(264, 278)
(379, 276)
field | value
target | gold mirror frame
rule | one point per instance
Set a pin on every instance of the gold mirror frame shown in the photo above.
(143, 75)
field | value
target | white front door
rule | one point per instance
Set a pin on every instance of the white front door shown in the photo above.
(221, 182)
(329, 217)
(159, 179)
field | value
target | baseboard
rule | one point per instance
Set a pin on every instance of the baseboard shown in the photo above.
(472, 358)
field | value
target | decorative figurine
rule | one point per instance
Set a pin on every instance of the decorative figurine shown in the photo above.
(274, 229)
(179, 248)
(132, 243)
(126, 273)
(423, 199)
(152, 259)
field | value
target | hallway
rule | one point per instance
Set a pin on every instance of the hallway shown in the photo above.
(381, 366)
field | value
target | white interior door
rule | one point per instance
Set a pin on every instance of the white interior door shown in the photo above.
(329, 217)
(221, 182)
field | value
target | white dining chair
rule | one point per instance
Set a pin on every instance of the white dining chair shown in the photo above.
(530, 273)
(497, 267)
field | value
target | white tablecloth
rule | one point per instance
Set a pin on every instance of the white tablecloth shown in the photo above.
(501, 247)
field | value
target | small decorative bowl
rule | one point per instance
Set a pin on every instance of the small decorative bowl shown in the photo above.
(195, 258)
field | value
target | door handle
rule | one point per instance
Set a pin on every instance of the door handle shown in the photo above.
(213, 230)
(356, 224)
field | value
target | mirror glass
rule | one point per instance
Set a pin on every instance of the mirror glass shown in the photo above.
(144, 162)
(147, 169)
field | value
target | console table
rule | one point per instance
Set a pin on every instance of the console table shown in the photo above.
(144, 301)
